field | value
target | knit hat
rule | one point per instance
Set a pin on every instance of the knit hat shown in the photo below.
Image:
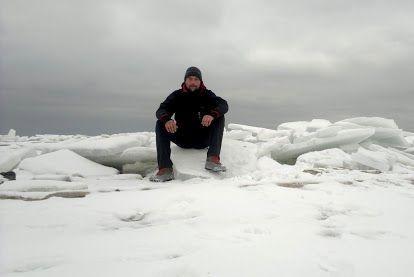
(193, 71)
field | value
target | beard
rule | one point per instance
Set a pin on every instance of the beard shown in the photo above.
(193, 88)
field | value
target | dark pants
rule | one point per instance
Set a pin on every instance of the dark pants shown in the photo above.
(198, 137)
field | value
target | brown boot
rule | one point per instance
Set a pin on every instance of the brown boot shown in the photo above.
(213, 164)
(164, 174)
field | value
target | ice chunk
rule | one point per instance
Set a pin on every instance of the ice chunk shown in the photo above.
(64, 162)
(142, 168)
(265, 164)
(254, 130)
(289, 152)
(373, 159)
(317, 124)
(12, 133)
(389, 137)
(102, 149)
(240, 135)
(296, 126)
(139, 154)
(386, 131)
(266, 147)
(328, 158)
(57, 177)
(400, 156)
(41, 189)
(410, 150)
(372, 122)
(239, 158)
(10, 158)
(262, 134)
(330, 131)
(10, 137)
(139, 159)
(409, 139)
(306, 129)
(41, 185)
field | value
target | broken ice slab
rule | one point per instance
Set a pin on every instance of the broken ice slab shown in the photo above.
(289, 152)
(103, 149)
(41, 189)
(139, 154)
(410, 150)
(371, 122)
(239, 158)
(328, 158)
(389, 137)
(10, 158)
(241, 135)
(374, 159)
(64, 162)
(400, 156)
(300, 128)
(330, 131)
(41, 185)
(317, 124)
(262, 134)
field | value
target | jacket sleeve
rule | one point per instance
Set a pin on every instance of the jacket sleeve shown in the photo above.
(167, 108)
(219, 105)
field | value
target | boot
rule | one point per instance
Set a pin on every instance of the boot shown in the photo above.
(213, 164)
(164, 174)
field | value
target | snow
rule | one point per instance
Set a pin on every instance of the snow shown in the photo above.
(314, 198)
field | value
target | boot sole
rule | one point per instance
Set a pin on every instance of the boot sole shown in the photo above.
(215, 170)
(160, 181)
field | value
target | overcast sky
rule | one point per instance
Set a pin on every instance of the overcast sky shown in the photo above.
(92, 67)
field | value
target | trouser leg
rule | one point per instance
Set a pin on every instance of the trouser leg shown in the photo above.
(215, 136)
(212, 138)
(163, 142)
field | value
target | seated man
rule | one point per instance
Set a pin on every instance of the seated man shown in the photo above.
(199, 123)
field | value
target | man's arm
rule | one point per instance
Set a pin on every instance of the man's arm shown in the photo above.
(166, 109)
(219, 105)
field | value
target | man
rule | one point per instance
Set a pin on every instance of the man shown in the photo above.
(198, 123)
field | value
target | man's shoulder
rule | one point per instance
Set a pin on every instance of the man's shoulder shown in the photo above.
(175, 92)
(209, 92)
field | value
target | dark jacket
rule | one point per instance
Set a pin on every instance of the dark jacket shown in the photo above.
(189, 106)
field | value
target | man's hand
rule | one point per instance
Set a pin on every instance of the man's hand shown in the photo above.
(171, 126)
(206, 121)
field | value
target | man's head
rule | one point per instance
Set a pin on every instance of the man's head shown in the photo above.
(193, 78)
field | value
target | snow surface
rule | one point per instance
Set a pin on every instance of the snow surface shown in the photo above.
(311, 198)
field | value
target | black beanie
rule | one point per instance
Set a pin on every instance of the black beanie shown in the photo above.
(193, 71)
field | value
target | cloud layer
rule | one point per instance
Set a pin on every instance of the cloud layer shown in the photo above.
(104, 66)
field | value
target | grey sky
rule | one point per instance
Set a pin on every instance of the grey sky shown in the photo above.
(95, 67)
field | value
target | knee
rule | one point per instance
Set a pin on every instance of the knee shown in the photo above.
(219, 120)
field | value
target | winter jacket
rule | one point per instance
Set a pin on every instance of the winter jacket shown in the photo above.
(189, 106)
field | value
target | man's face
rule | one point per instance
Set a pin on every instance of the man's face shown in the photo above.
(192, 82)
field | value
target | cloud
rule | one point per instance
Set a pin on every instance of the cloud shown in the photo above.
(91, 61)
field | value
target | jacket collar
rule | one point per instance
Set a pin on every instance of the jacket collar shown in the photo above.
(201, 89)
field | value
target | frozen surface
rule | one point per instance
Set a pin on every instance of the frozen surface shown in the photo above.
(343, 207)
